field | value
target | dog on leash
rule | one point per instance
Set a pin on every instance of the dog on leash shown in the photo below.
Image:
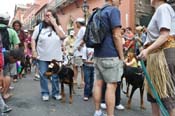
(135, 77)
(65, 74)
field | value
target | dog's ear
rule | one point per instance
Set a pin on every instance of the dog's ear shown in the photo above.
(53, 61)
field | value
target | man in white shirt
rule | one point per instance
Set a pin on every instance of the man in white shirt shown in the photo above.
(78, 48)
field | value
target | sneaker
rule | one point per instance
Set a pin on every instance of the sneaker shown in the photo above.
(11, 87)
(120, 107)
(37, 76)
(103, 105)
(100, 113)
(85, 98)
(36, 79)
(6, 109)
(57, 97)
(45, 98)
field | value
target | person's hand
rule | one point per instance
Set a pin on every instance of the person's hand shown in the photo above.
(126, 49)
(25, 51)
(34, 54)
(79, 48)
(143, 55)
(52, 20)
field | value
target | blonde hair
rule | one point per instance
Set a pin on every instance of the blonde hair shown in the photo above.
(131, 55)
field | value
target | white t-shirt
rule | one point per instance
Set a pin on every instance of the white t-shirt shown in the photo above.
(78, 40)
(48, 45)
(88, 55)
(164, 17)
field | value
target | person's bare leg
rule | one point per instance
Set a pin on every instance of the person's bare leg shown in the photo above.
(97, 93)
(110, 98)
(155, 109)
(7, 81)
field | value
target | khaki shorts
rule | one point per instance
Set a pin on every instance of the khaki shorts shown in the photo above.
(108, 69)
(77, 60)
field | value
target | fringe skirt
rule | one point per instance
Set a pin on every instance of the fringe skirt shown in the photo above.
(161, 68)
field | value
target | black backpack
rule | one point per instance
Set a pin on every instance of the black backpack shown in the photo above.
(96, 29)
(5, 44)
(4, 40)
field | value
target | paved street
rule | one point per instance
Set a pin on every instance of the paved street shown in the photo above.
(27, 102)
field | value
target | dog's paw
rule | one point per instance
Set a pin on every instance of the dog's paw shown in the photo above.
(63, 100)
(128, 106)
(142, 107)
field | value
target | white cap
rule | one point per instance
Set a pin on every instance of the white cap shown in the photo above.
(81, 20)
(5, 16)
(72, 32)
(25, 30)
(139, 28)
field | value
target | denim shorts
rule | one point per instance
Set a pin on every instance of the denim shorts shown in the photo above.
(108, 69)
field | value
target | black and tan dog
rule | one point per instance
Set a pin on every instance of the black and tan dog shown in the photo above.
(65, 74)
(135, 77)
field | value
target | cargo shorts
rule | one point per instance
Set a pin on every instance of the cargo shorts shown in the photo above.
(110, 70)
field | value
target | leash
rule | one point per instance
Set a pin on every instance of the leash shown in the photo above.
(162, 108)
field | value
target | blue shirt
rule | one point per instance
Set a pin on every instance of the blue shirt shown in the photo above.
(111, 16)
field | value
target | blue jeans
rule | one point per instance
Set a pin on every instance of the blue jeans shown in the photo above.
(88, 79)
(43, 66)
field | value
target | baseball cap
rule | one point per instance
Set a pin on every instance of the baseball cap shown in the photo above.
(139, 28)
(5, 16)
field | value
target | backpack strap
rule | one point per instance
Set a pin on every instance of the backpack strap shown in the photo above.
(40, 29)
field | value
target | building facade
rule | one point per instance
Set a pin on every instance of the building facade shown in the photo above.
(143, 12)
(69, 10)
(132, 12)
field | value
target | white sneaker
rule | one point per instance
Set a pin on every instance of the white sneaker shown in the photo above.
(45, 98)
(57, 97)
(120, 107)
(100, 113)
(11, 87)
(37, 76)
(103, 105)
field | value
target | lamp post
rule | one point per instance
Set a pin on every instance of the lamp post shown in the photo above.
(85, 9)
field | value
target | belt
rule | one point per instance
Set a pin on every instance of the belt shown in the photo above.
(170, 43)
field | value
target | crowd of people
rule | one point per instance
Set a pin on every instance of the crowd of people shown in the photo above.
(101, 67)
